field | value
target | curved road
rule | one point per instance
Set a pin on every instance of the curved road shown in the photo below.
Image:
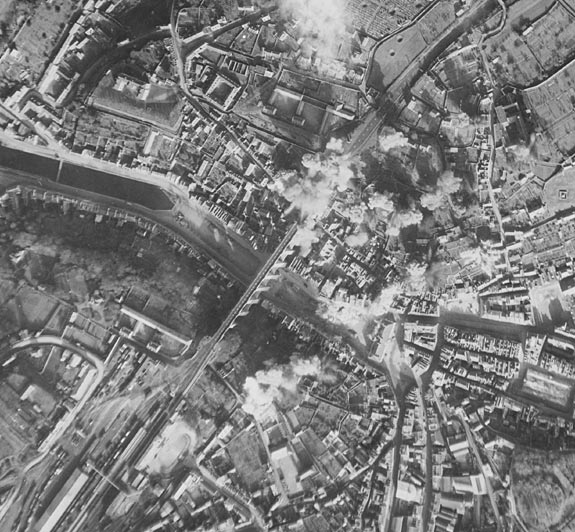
(93, 359)
(46, 447)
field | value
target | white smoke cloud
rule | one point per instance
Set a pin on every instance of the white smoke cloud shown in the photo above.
(357, 239)
(328, 177)
(321, 22)
(381, 202)
(416, 280)
(354, 213)
(383, 302)
(447, 184)
(524, 152)
(306, 235)
(389, 139)
(521, 152)
(312, 194)
(480, 257)
(403, 218)
(276, 384)
(335, 145)
(432, 200)
(357, 314)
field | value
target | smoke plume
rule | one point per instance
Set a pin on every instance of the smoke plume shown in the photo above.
(357, 314)
(322, 23)
(416, 280)
(447, 184)
(279, 383)
(305, 237)
(479, 257)
(389, 139)
(403, 218)
(335, 145)
(357, 239)
(381, 202)
(311, 194)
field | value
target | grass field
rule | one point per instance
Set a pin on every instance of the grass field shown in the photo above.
(545, 389)
(393, 55)
(38, 36)
(551, 103)
(543, 489)
(548, 305)
(525, 56)
(162, 107)
(35, 308)
(176, 440)
(559, 193)
(245, 453)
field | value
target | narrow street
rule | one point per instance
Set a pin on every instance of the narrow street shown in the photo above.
(477, 456)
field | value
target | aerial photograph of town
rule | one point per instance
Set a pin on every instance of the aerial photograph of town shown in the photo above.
(287, 265)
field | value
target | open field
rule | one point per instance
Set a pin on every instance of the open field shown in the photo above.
(544, 389)
(246, 454)
(35, 307)
(162, 106)
(37, 38)
(175, 441)
(542, 488)
(393, 55)
(328, 93)
(534, 43)
(547, 303)
(551, 103)
(559, 194)
(540, 385)
(381, 17)
(59, 320)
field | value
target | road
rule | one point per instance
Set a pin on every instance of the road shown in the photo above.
(184, 48)
(46, 446)
(206, 354)
(428, 491)
(94, 73)
(364, 133)
(283, 498)
(568, 7)
(389, 504)
(248, 508)
(477, 456)
(195, 41)
(431, 52)
(393, 95)
(93, 359)
(501, 24)
(492, 153)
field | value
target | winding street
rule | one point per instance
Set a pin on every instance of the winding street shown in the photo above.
(248, 508)
(183, 48)
(63, 425)
(475, 450)
(93, 359)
